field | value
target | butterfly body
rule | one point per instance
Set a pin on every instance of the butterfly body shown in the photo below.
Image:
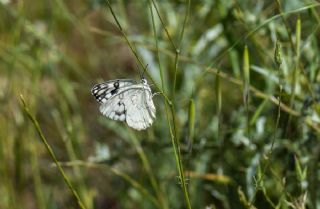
(126, 100)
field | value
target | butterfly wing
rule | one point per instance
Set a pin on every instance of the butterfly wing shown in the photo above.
(132, 104)
(140, 111)
(114, 108)
(104, 91)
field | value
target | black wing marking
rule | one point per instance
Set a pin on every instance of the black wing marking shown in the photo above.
(104, 91)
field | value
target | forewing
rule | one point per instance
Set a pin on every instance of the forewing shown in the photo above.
(104, 91)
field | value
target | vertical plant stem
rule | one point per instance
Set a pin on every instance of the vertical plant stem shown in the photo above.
(146, 165)
(177, 153)
(218, 98)
(131, 46)
(51, 153)
(191, 123)
(246, 85)
(124, 35)
(157, 48)
(176, 64)
(282, 15)
(173, 128)
(186, 17)
(176, 50)
(141, 153)
(68, 136)
(5, 177)
(190, 136)
(36, 176)
(164, 26)
(278, 61)
(295, 72)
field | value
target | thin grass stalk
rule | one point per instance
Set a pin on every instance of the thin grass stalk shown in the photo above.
(190, 135)
(176, 65)
(218, 93)
(51, 153)
(295, 48)
(266, 22)
(19, 146)
(185, 20)
(132, 49)
(177, 153)
(278, 62)
(175, 48)
(279, 7)
(157, 47)
(67, 136)
(258, 112)
(122, 11)
(246, 86)
(136, 185)
(295, 72)
(173, 129)
(191, 123)
(178, 50)
(243, 199)
(38, 186)
(248, 34)
(166, 102)
(142, 156)
(164, 26)
(124, 35)
(269, 200)
(5, 177)
(210, 69)
(218, 98)
(229, 78)
(256, 92)
(219, 102)
(12, 199)
(147, 167)
(19, 154)
(116, 172)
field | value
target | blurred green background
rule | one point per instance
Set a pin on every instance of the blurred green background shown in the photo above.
(244, 112)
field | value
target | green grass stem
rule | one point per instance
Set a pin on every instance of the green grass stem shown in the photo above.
(51, 153)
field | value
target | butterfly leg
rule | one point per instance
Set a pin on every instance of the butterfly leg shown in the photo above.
(156, 94)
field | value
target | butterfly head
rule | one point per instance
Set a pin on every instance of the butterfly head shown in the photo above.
(144, 81)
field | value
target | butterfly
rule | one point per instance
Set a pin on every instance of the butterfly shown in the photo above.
(126, 100)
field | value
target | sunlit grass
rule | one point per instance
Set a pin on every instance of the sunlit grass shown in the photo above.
(237, 118)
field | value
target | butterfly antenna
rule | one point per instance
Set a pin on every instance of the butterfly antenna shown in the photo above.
(140, 72)
(144, 70)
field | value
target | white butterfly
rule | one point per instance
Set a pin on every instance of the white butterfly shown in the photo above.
(126, 100)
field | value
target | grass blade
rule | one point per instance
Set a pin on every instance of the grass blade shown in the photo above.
(51, 153)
